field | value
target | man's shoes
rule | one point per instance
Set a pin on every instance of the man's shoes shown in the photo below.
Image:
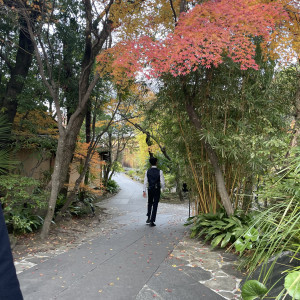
(148, 221)
(152, 224)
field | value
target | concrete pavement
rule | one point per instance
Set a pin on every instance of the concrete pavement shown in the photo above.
(134, 261)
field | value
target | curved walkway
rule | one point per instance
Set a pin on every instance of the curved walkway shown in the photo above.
(131, 261)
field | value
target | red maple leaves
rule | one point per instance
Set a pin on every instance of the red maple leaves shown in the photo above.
(203, 36)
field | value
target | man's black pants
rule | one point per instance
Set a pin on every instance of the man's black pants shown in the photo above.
(153, 199)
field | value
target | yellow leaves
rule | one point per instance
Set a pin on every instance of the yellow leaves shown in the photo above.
(285, 40)
(142, 17)
(142, 154)
(101, 123)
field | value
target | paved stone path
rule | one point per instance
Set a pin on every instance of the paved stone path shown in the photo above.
(214, 269)
(130, 260)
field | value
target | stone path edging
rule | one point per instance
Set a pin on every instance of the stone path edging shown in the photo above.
(215, 269)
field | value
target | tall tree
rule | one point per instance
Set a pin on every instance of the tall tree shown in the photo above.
(204, 36)
(96, 29)
(94, 40)
(19, 63)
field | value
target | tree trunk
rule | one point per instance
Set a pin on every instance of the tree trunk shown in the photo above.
(55, 187)
(149, 144)
(19, 73)
(178, 185)
(111, 175)
(108, 166)
(214, 161)
(64, 154)
(90, 153)
(88, 119)
(68, 136)
(72, 194)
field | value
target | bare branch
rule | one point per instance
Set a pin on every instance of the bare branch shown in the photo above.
(173, 10)
(86, 96)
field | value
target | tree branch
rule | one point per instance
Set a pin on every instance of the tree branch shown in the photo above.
(173, 10)
(137, 126)
(90, 153)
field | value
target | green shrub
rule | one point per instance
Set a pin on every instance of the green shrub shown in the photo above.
(22, 199)
(117, 167)
(280, 228)
(112, 187)
(170, 180)
(280, 223)
(253, 289)
(131, 173)
(81, 208)
(222, 230)
(84, 204)
(61, 200)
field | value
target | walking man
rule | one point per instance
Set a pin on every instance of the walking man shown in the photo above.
(154, 180)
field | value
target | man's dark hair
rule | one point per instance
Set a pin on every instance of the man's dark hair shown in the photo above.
(153, 161)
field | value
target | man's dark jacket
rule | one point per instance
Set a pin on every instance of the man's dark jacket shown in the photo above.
(9, 284)
(153, 175)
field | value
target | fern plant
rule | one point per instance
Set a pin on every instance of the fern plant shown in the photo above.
(223, 230)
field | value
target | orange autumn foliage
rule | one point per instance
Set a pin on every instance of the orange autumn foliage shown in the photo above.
(35, 123)
(285, 42)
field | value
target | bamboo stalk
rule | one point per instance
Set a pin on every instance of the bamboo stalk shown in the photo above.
(233, 183)
(215, 196)
(193, 170)
(236, 196)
